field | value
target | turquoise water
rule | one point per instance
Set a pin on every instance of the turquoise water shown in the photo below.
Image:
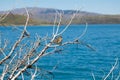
(77, 62)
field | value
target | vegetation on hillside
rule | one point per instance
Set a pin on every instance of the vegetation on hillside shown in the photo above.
(44, 16)
(15, 19)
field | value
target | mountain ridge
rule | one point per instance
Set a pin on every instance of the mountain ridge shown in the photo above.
(47, 16)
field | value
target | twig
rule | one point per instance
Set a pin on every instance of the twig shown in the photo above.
(23, 34)
(93, 76)
(111, 70)
(4, 16)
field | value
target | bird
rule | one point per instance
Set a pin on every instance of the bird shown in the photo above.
(58, 40)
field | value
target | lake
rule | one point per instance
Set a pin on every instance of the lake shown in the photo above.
(78, 62)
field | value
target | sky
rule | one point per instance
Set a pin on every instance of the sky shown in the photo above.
(97, 6)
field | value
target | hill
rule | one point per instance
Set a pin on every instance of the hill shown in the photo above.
(17, 19)
(40, 16)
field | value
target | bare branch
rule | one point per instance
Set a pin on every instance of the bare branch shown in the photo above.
(84, 32)
(35, 74)
(58, 26)
(111, 70)
(23, 34)
(24, 58)
(93, 76)
(22, 76)
(55, 20)
(118, 76)
(67, 24)
(4, 16)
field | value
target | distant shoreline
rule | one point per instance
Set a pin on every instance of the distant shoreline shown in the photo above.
(50, 25)
(45, 17)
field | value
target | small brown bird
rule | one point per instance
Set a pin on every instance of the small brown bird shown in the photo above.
(58, 40)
